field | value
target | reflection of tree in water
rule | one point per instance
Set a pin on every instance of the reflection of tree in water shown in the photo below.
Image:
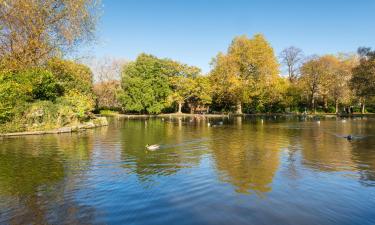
(34, 178)
(324, 150)
(363, 154)
(247, 156)
(176, 151)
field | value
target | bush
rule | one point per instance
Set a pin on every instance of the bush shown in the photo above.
(15, 91)
(78, 103)
(71, 75)
(45, 85)
(35, 99)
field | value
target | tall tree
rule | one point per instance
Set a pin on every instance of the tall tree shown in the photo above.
(363, 80)
(145, 85)
(32, 31)
(292, 58)
(248, 67)
(339, 89)
(311, 78)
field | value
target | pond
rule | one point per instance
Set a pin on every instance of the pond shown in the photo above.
(241, 170)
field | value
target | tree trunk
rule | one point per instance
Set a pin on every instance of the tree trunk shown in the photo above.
(313, 109)
(179, 107)
(363, 106)
(192, 108)
(208, 109)
(239, 108)
(325, 104)
(337, 106)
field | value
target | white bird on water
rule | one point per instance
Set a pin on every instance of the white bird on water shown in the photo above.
(152, 147)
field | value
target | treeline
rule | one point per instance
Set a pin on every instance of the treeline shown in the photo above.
(245, 79)
(40, 89)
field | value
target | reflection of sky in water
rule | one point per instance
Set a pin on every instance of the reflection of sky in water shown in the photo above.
(245, 171)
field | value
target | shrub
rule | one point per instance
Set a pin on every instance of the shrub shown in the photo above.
(15, 90)
(35, 100)
(79, 103)
(71, 75)
(44, 84)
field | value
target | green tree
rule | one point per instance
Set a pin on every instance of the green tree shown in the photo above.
(145, 86)
(363, 80)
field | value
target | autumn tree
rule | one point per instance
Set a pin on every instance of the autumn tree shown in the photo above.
(200, 94)
(182, 81)
(311, 79)
(31, 32)
(292, 58)
(339, 90)
(182, 90)
(245, 71)
(72, 75)
(107, 73)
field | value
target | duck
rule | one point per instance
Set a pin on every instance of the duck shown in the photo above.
(152, 147)
(349, 137)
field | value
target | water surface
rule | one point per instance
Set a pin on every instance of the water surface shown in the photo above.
(253, 170)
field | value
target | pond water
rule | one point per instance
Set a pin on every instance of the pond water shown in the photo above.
(252, 170)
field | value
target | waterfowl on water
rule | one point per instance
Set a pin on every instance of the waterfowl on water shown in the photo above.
(152, 147)
(220, 123)
(349, 137)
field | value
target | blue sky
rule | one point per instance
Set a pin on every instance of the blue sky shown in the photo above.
(194, 31)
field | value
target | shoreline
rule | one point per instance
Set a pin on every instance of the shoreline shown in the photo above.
(179, 115)
(94, 123)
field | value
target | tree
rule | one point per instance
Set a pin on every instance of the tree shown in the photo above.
(311, 79)
(106, 93)
(145, 86)
(292, 58)
(182, 82)
(32, 32)
(107, 74)
(248, 67)
(229, 87)
(363, 80)
(340, 90)
(201, 93)
(182, 90)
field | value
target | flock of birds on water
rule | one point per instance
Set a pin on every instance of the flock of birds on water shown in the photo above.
(154, 147)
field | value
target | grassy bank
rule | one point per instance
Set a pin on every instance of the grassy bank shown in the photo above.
(96, 122)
